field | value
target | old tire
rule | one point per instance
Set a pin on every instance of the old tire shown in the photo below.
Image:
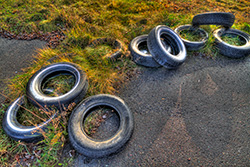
(232, 51)
(193, 45)
(162, 36)
(19, 132)
(99, 148)
(115, 43)
(214, 18)
(75, 95)
(139, 51)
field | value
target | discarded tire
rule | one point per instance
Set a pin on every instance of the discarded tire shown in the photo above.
(37, 97)
(193, 45)
(141, 55)
(93, 148)
(159, 39)
(232, 51)
(19, 132)
(116, 45)
(214, 18)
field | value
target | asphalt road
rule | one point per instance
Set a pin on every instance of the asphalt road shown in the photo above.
(15, 55)
(197, 115)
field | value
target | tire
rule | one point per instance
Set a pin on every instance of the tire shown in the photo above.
(214, 18)
(162, 36)
(75, 95)
(115, 43)
(99, 148)
(140, 57)
(19, 132)
(232, 51)
(193, 45)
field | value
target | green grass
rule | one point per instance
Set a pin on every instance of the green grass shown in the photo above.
(82, 22)
(58, 85)
(191, 35)
(233, 40)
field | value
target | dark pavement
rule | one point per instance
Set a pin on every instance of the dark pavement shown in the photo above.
(15, 55)
(197, 115)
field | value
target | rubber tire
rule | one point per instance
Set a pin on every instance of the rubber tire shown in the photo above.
(99, 148)
(193, 45)
(19, 132)
(75, 95)
(140, 58)
(214, 18)
(228, 50)
(115, 43)
(159, 52)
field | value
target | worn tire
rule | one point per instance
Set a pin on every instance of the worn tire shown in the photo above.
(193, 45)
(99, 148)
(161, 36)
(75, 95)
(115, 43)
(139, 57)
(214, 18)
(19, 132)
(232, 51)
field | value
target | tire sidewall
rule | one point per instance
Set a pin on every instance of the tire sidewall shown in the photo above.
(100, 148)
(192, 45)
(20, 132)
(38, 98)
(140, 57)
(163, 56)
(228, 50)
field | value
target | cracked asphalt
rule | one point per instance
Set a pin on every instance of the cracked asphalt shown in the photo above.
(197, 115)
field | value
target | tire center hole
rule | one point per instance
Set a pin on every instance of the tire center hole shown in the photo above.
(58, 84)
(29, 115)
(192, 35)
(233, 39)
(169, 44)
(143, 47)
(101, 122)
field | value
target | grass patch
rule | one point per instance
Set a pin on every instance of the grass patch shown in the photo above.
(58, 85)
(233, 40)
(191, 35)
(83, 21)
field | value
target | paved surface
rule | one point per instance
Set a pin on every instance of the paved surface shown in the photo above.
(15, 55)
(197, 115)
